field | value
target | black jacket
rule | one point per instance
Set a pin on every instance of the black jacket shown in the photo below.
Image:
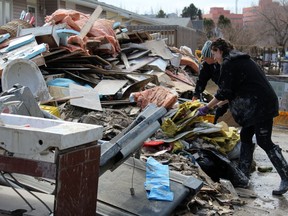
(208, 71)
(251, 97)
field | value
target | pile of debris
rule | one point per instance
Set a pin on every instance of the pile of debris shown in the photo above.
(83, 69)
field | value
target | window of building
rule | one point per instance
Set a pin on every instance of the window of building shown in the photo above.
(31, 14)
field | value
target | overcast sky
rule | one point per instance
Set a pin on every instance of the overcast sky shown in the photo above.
(176, 6)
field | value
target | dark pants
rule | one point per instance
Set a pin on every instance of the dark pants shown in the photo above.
(263, 132)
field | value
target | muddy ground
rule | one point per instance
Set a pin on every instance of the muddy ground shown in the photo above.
(262, 183)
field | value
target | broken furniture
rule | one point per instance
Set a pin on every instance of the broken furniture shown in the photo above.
(29, 143)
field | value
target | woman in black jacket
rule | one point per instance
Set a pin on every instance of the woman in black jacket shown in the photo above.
(253, 104)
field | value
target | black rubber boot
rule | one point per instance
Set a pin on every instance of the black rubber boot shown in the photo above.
(280, 164)
(246, 158)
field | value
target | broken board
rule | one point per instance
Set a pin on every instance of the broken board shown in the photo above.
(89, 100)
(110, 87)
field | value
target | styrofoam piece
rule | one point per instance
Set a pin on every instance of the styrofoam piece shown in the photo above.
(25, 73)
(4, 37)
(19, 42)
(30, 52)
(64, 34)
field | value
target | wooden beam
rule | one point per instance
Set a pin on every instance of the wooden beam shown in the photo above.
(28, 167)
(86, 28)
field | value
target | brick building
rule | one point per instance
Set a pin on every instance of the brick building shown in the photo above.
(249, 15)
(215, 12)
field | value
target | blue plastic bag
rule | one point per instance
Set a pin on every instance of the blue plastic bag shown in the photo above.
(157, 181)
(64, 82)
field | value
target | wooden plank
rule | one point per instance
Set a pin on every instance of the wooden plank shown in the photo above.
(28, 167)
(39, 60)
(125, 60)
(86, 28)
(77, 181)
(77, 52)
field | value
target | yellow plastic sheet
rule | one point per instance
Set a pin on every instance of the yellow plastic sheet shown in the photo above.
(224, 138)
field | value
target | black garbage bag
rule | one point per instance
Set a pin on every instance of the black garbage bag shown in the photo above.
(217, 166)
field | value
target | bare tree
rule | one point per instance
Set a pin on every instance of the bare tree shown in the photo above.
(272, 24)
(240, 36)
(209, 25)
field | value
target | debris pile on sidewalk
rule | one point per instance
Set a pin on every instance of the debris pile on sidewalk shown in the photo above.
(101, 74)
(191, 145)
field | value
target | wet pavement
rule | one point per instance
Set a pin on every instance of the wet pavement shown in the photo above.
(262, 183)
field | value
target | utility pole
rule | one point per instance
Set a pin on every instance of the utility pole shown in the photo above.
(236, 6)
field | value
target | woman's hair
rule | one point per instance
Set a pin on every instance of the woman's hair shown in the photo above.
(222, 45)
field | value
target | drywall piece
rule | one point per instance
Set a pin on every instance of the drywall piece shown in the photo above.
(110, 87)
(159, 48)
(89, 100)
(158, 65)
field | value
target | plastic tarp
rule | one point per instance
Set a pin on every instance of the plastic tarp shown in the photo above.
(157, 181)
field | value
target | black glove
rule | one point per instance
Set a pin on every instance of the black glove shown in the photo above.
(220, 111)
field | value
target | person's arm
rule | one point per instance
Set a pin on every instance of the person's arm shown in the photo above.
(204, 110)
(213, 103)
(204, 77)
(221, 103)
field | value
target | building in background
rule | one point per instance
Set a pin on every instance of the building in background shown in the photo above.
(251, 14)
(216, 12)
